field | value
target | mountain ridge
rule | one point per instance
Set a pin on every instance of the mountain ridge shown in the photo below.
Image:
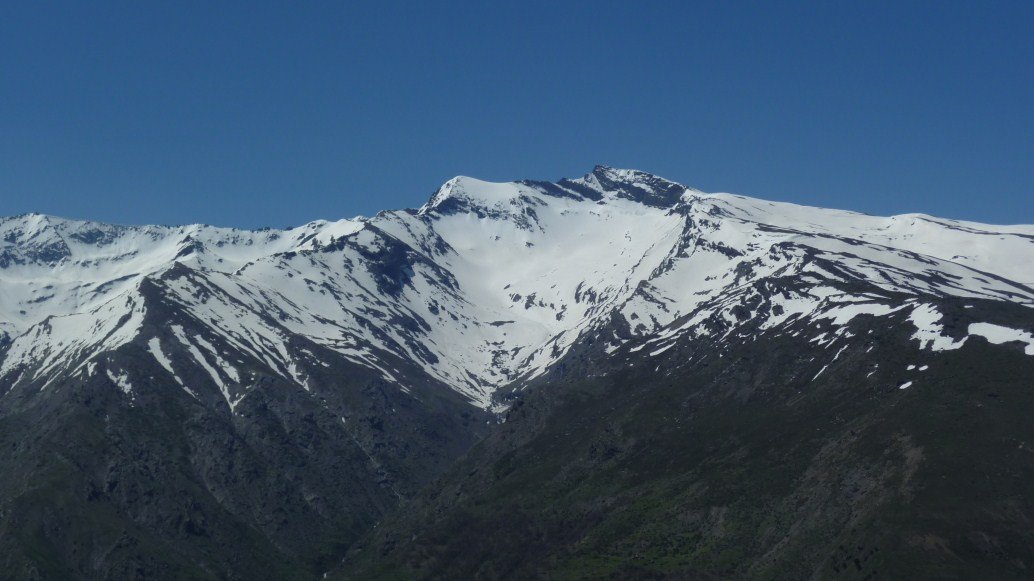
(734, 223)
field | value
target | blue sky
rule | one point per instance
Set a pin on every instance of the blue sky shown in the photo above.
(255, 113)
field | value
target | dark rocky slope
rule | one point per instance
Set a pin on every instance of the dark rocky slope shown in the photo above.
(735, 461)
(176, 487)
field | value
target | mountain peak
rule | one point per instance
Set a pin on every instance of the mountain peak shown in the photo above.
(639, 186)
(601, 184)
(462, 192)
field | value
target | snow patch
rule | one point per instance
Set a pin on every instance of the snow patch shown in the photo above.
(121, 380)
(154, 345)
(929, 332)
(997, 335)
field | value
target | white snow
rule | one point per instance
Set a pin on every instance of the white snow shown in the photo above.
(493, 294)
(121, 380)
(154, 345)
(929, 331)
(820, 372)
(997, 334)
(199, 357)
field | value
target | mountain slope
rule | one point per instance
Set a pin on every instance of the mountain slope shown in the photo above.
(150, 461)
(229, 403)
(754, 455)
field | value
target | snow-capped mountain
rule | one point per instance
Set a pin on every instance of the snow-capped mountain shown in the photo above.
(203, 402)
(485, 286)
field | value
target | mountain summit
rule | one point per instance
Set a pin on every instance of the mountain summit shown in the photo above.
(602, 184)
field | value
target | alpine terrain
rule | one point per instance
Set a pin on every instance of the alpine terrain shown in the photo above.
(614, 376)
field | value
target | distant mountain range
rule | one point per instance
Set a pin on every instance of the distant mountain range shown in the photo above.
(610, 376)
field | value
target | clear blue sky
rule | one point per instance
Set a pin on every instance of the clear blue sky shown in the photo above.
(255, 113)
